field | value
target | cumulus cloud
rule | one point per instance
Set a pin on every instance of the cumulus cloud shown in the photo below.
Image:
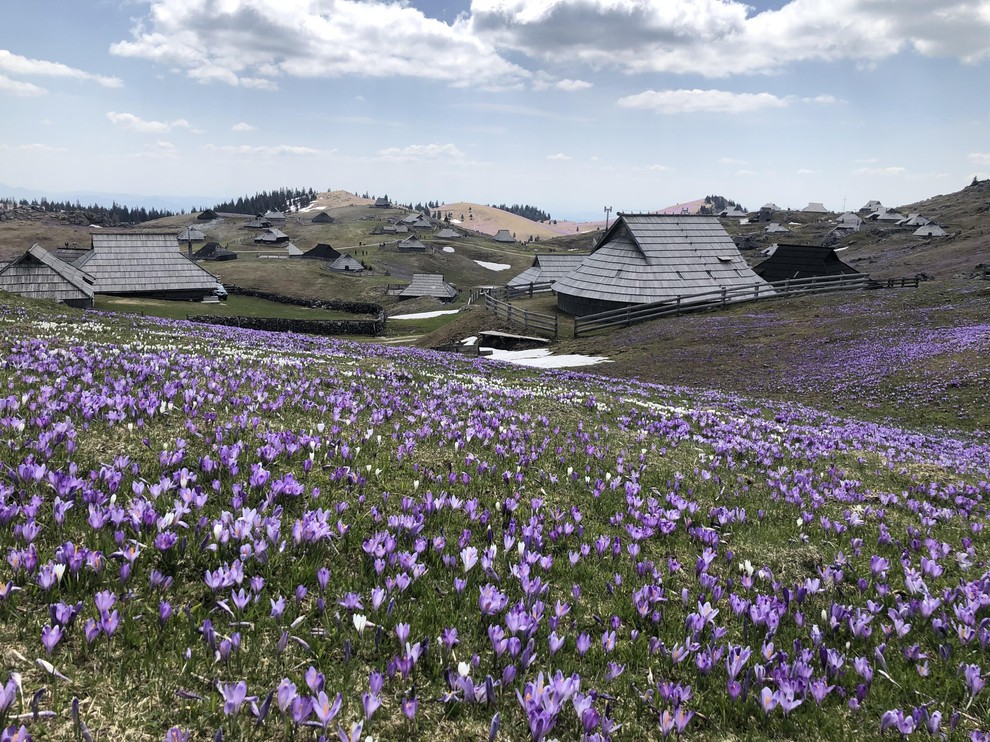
(243, 126)
(718, 38)
(135, 123)
(20, 89)
(570, 86)
(701, 101)
(254, 42)
(422, 153)
(15, 64)
(980, 158)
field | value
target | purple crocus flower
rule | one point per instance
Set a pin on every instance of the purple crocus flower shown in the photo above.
(50, 637)
(371, 702)
(234, 695)
(325, 710)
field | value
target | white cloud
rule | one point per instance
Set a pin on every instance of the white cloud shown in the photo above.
(822, 100)
(701, 101)
(254, 42)
(980, 158)
(718, 38)
(895, 170)
(422, 153)
(570, 86)
(20, 89)
(15, 64)
(243, 126)
(135, 123)
(34, 147)
(275, 150)
(559, 157)
(658, 168)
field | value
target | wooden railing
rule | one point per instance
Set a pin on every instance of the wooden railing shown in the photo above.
(505, 293)
(528, 321)
(631, 315)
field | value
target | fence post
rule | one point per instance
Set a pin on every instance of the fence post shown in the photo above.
(723, 296)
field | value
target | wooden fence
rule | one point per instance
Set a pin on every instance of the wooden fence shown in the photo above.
(711, 299)
(529, 321)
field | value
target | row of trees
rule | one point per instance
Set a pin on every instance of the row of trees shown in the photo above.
(281, 199)
(114, 214)
(717, 204)
(525, 210)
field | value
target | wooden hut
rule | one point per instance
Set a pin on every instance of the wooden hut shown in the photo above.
(322, 251)
(504, 236)
(448, 234)
(548, 267)
(191, 234)
(208, 215)
(645, 258)
(930, 230)
(429, 284)
(346, 264)
(323, 218)
(272, 236)
(150, 264)
(37, 274)
(802, 261)
(411, 244)
(213, 251)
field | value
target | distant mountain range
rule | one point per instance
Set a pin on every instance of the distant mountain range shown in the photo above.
(132, 200)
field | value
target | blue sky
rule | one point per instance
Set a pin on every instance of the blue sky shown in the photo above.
(569, 106)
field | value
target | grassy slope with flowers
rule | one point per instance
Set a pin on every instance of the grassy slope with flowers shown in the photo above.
(224, 533)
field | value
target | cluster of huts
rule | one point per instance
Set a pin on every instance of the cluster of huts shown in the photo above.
(125, 263)
(873, 212)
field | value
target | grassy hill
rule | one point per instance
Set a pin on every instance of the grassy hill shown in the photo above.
(890, 251)
(215, 532)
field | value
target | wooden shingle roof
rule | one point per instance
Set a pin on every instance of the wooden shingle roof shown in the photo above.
(411, 243)
(802, 261)
(548, 267)
(429, 284)
(346, 263)
(191, 233)
(142, 262)
(652, 257)
(322, 251)
(38, 274)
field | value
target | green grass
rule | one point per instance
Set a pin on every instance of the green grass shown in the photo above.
(234, 306)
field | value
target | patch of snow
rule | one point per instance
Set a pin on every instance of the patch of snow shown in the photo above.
(424, 315)
(470, 341)
(493, 266)
(448, 248)
(455, 221)
(543, 358)
(314, 206)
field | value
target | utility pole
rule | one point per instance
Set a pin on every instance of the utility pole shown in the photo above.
(608, 210)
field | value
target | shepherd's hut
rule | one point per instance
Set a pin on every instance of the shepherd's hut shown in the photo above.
(645, 258)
